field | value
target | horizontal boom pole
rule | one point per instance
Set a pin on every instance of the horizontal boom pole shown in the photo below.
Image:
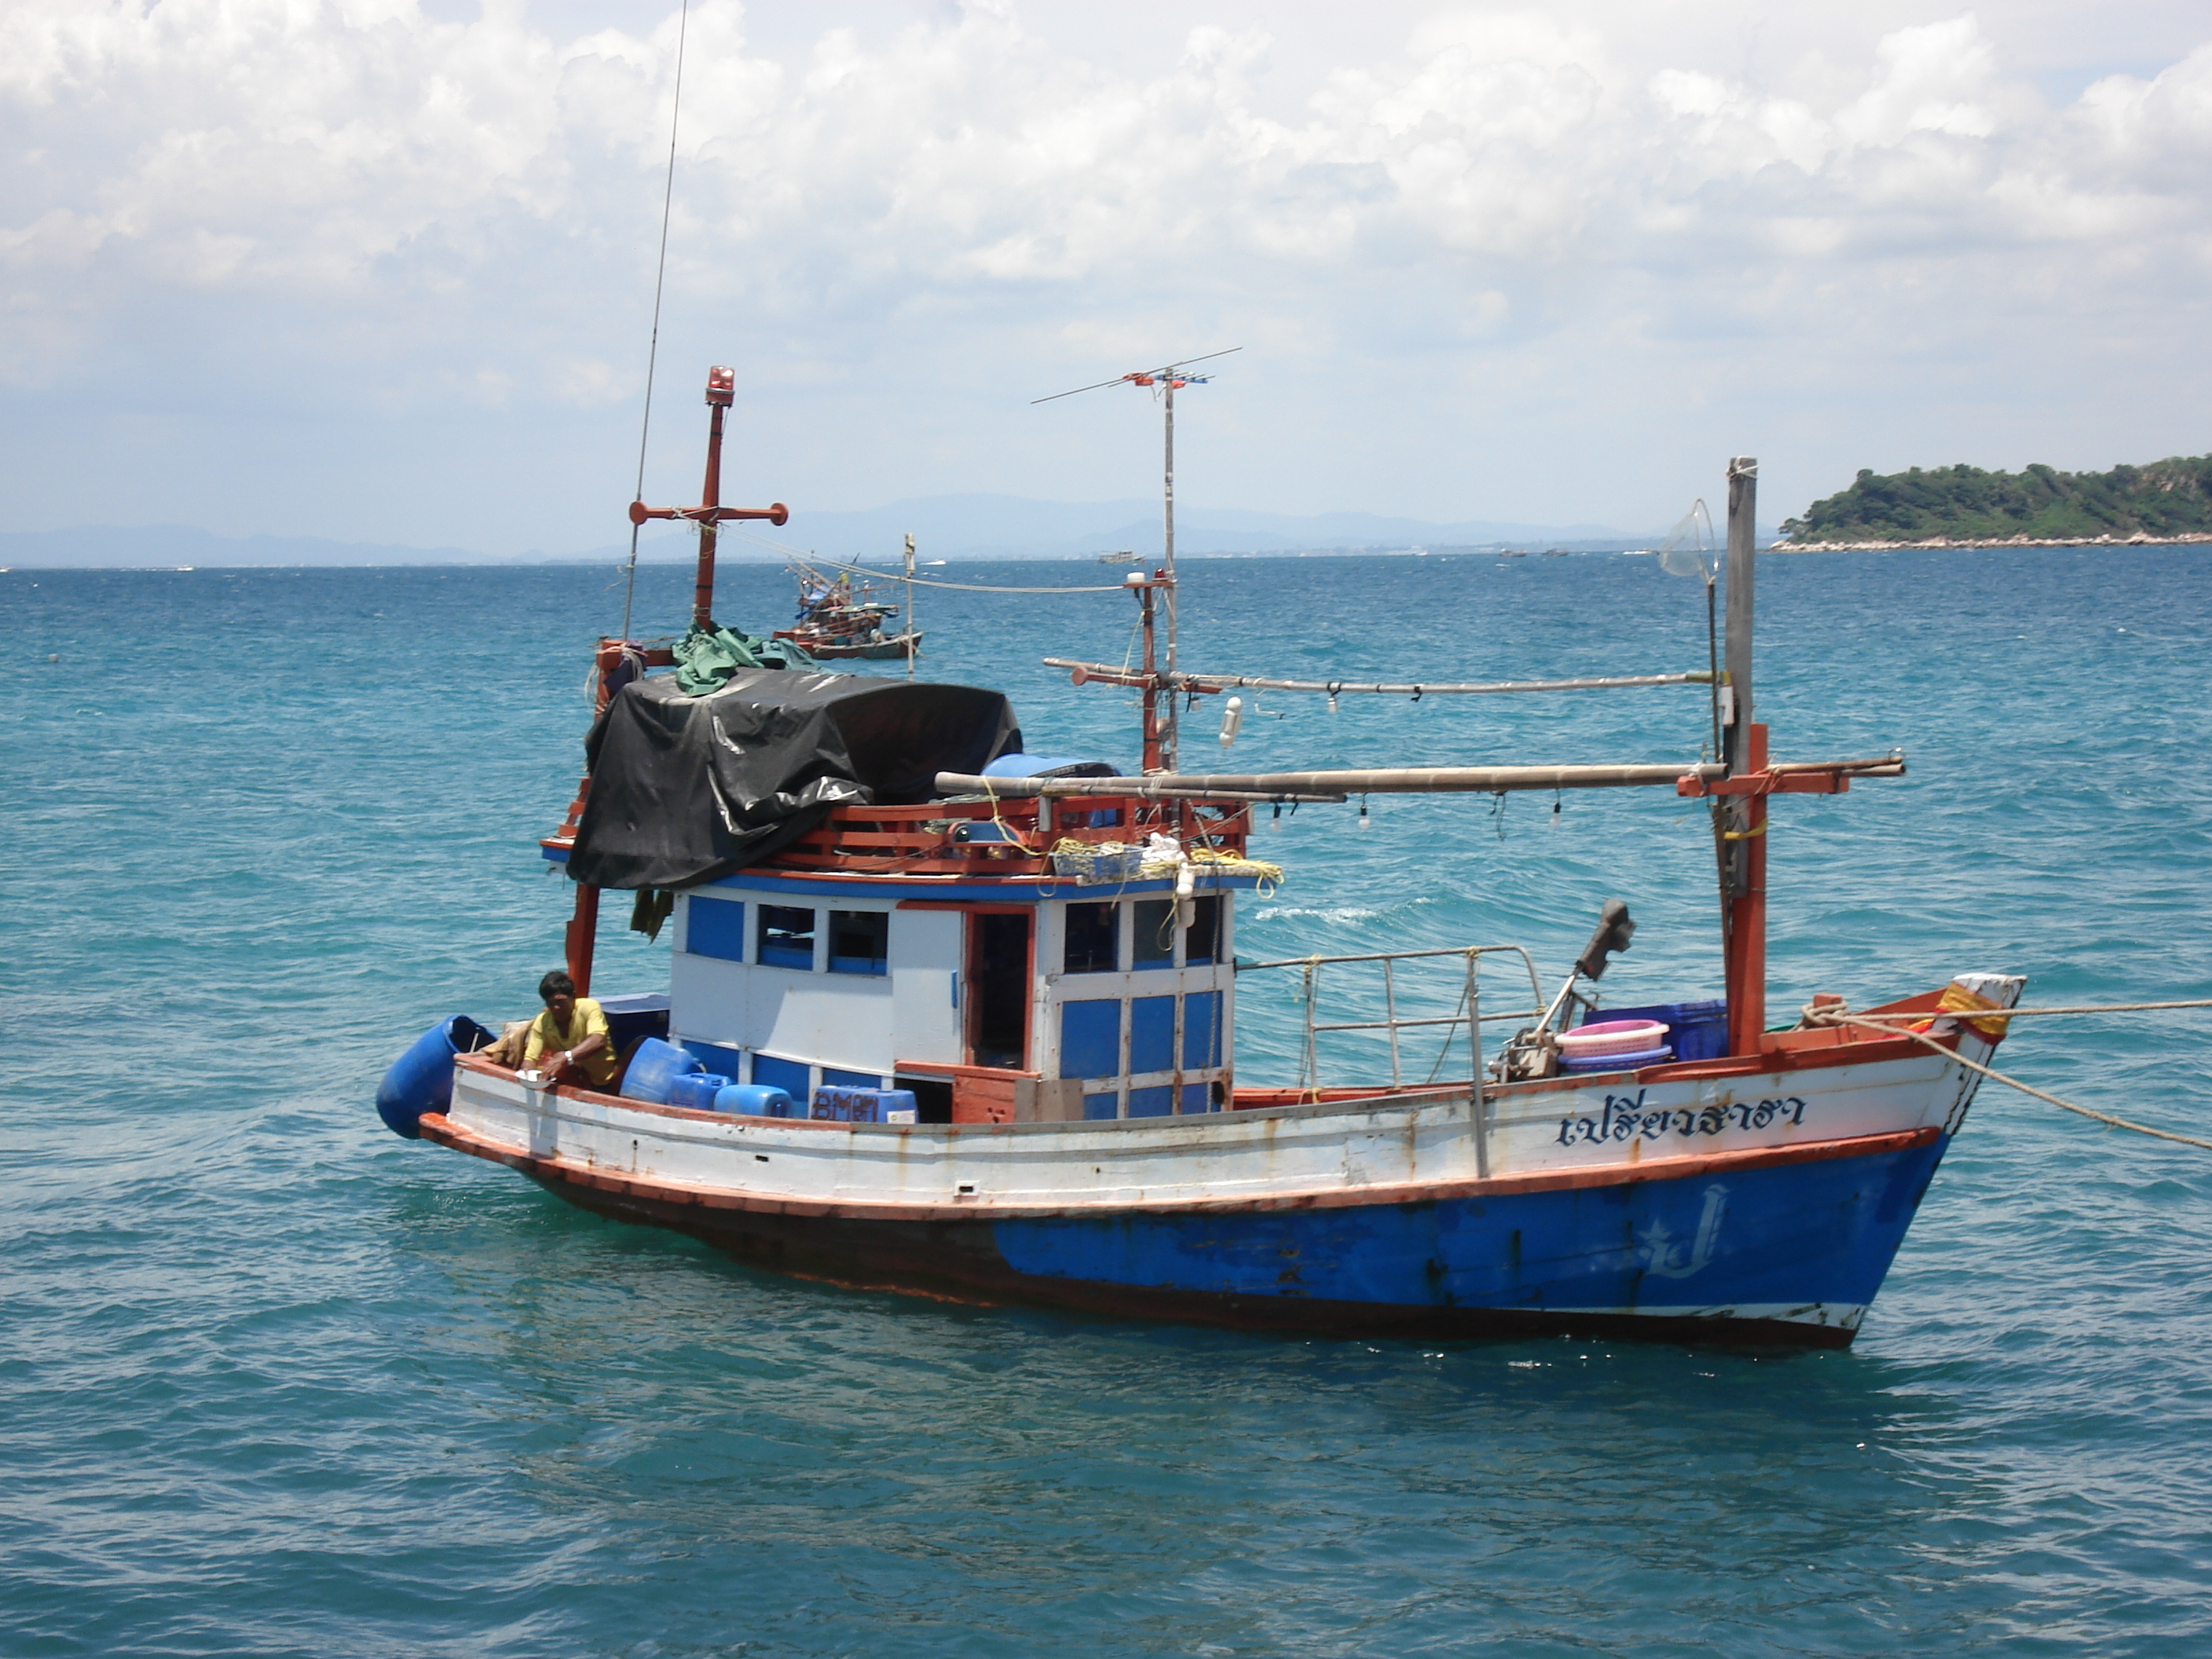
(1105, 674)
(1400, 781)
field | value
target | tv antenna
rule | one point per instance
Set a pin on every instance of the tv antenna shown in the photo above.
(1166, 380)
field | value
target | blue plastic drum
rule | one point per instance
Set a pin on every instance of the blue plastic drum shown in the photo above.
(754, 1100)
(655, 1067)
(696, 1090)
(422, 1079)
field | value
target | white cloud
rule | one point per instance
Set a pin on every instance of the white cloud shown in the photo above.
(466, 210)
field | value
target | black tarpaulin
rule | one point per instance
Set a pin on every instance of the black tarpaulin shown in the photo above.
(690, 789)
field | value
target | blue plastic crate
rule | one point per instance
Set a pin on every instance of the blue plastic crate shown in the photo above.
(863, 1106)
(1695, 1030)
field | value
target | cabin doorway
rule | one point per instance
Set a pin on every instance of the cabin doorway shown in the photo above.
(999, 988)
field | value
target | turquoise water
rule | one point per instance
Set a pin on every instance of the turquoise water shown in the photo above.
(275, 1382)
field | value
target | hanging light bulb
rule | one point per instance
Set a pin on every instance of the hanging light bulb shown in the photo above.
(1232, 721)
(1363, 814)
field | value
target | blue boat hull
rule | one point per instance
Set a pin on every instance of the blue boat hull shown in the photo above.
(1771, 1252)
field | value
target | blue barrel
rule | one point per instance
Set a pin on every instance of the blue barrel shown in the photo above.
(696, 1090)
(655, 1067)
(753, 1100)
(422, 1079)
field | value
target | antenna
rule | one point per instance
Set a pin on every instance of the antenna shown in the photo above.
(659, 277)
(1169, 378)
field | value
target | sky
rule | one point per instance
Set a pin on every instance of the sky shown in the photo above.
(384, 269)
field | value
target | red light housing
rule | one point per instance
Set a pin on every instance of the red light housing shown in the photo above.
(721, 386)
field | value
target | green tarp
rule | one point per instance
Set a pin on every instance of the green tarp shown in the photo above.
(705, 661)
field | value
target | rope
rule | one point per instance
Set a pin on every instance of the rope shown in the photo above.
(1824, 1017)
(2097, 1008)
(973, 587)
(790, 552)
(659, 277)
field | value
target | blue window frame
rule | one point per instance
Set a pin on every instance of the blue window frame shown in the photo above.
(833, 1079)
(716, 928)
(1090, 1038)
(787, 938)
(1151, 1037)
(787, 1075)
(1201, 1029)
(1151, 1102)
(717, 1057)
(860, 942)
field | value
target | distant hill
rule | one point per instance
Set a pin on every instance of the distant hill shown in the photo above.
(1010, 526)
(2170, 498)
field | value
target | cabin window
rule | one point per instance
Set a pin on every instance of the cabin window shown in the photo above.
(860, 941)
(715, 927)
(1094, 938)
(787, 937)
(1152, 933)
(1202, 940)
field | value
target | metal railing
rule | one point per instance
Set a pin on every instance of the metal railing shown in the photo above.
(1466, 1015)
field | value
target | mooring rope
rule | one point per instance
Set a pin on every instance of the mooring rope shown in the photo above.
(1826, 1017)
(2029, 1014)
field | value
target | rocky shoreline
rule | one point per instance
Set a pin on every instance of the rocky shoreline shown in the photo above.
(1937, 542)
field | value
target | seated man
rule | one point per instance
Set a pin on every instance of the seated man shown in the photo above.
(569, 1042)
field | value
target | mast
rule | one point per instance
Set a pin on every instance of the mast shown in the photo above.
(721, 390)
(909, 604)
(583, 928)
(1168, 733)
(1148, 679)
(1160, 735)
(1742, 818)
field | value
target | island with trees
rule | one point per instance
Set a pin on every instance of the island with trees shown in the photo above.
(2168, 501)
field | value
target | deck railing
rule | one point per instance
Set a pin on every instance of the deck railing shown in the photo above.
(1466, 1015)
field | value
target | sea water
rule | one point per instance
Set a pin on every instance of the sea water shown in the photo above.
(273, 1381)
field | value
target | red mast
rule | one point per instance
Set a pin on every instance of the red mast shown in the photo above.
(721, 390)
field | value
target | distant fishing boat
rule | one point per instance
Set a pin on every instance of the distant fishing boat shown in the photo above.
(835, 623)
(951, 1014)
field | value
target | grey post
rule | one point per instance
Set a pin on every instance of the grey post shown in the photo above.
(1742, 517)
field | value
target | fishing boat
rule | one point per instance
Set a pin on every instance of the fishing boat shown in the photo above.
(951, 1015)
(835, 623)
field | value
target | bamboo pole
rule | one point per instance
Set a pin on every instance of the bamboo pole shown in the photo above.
(1084, 673)
(1399, 781)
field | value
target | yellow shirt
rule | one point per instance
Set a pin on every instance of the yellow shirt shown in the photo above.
(547, 1035)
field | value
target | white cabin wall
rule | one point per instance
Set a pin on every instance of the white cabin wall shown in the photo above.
(913, 1012)
(844, 1021)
